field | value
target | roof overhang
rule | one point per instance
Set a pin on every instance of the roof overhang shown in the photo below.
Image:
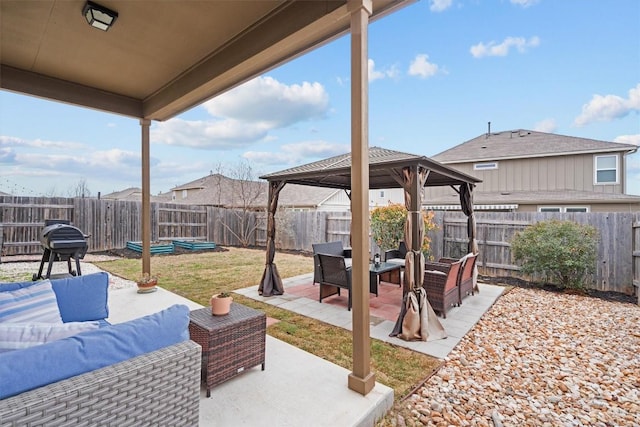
(160, 58)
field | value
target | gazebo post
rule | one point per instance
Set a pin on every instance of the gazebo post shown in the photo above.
(361, 380)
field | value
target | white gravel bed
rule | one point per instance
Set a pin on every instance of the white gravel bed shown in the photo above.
(538, 358)
(18, 271)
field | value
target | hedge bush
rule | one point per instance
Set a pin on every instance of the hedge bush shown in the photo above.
(563, 252)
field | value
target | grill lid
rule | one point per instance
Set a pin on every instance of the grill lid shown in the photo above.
(64, 238)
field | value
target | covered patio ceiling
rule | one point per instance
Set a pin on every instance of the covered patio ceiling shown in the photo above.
(160, 58)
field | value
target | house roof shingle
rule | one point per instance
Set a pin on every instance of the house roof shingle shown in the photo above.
(522, 143)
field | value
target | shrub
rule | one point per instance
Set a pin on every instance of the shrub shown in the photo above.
(564, 252)
(387, 226)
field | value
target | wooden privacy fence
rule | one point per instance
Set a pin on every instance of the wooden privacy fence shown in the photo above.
(618, 256)
(111, 224)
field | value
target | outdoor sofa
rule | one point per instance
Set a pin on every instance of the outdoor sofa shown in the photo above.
(138, 373)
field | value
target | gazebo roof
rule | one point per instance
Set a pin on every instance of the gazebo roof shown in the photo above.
(335, 172)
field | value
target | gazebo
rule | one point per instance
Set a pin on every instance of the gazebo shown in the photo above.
(387, 169)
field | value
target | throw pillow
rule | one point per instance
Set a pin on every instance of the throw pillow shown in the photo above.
(35, 303)
(15, 336)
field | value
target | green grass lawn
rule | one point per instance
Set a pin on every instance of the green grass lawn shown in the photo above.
(198, 276)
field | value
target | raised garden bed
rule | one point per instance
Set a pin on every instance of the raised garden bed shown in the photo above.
(194, 245)
(156, 248)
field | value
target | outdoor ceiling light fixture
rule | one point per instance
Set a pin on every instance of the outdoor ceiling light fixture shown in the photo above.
(99, 16)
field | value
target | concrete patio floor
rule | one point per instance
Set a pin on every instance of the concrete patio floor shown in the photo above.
(334, 311)
(296, 388)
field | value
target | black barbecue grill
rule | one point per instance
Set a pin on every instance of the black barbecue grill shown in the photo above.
(61, 242)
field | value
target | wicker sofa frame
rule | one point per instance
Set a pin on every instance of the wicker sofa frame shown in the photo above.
(157, 388)
(441, 281)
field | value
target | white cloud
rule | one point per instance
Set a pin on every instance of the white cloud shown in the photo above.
(420, 66)
(264, 99)
(246, 115)
(211, 134)
(7, 155)
(303, 152)
(481, 50)
(440, 5)
(546, 125)
(609, 107)
(628, 139)
(12, 141)
(524, 3)
(380, 74)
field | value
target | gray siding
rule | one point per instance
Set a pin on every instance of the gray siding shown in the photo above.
(537, 174)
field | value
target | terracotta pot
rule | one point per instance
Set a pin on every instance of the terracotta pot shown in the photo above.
(220, 306)
(147, 287)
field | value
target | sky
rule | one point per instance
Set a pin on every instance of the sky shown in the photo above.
(439, 71)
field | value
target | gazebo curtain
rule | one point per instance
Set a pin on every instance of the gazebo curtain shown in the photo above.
(271, 283)
(466, 202)
(413, 180)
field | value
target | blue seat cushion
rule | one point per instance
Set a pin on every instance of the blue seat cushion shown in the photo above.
(33, 367)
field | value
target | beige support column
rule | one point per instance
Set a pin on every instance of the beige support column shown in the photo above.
(361, 379)
(146, 198)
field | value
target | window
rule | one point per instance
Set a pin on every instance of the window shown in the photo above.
(184, 194)
(381, 194)
(606, 169)
(567, 209)
(485, 166)
(577, 209)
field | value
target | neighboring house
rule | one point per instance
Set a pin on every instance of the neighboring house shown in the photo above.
(528, 171)
(129, 194)
(222, 191)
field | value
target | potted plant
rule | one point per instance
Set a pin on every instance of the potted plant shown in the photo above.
(147, 283)
(221, 303)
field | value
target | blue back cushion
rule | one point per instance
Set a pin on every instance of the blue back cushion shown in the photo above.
(23, 370)
(80, 298)
(83, 298)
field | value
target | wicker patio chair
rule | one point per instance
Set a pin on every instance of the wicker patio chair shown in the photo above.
(330, 248)
(466, 276)
(396, 255)
(335, 276)
(441, 283)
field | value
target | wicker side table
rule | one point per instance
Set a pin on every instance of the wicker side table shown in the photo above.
(230, 343)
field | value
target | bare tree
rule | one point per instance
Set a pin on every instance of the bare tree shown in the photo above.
(246, 196)
(81, 189)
